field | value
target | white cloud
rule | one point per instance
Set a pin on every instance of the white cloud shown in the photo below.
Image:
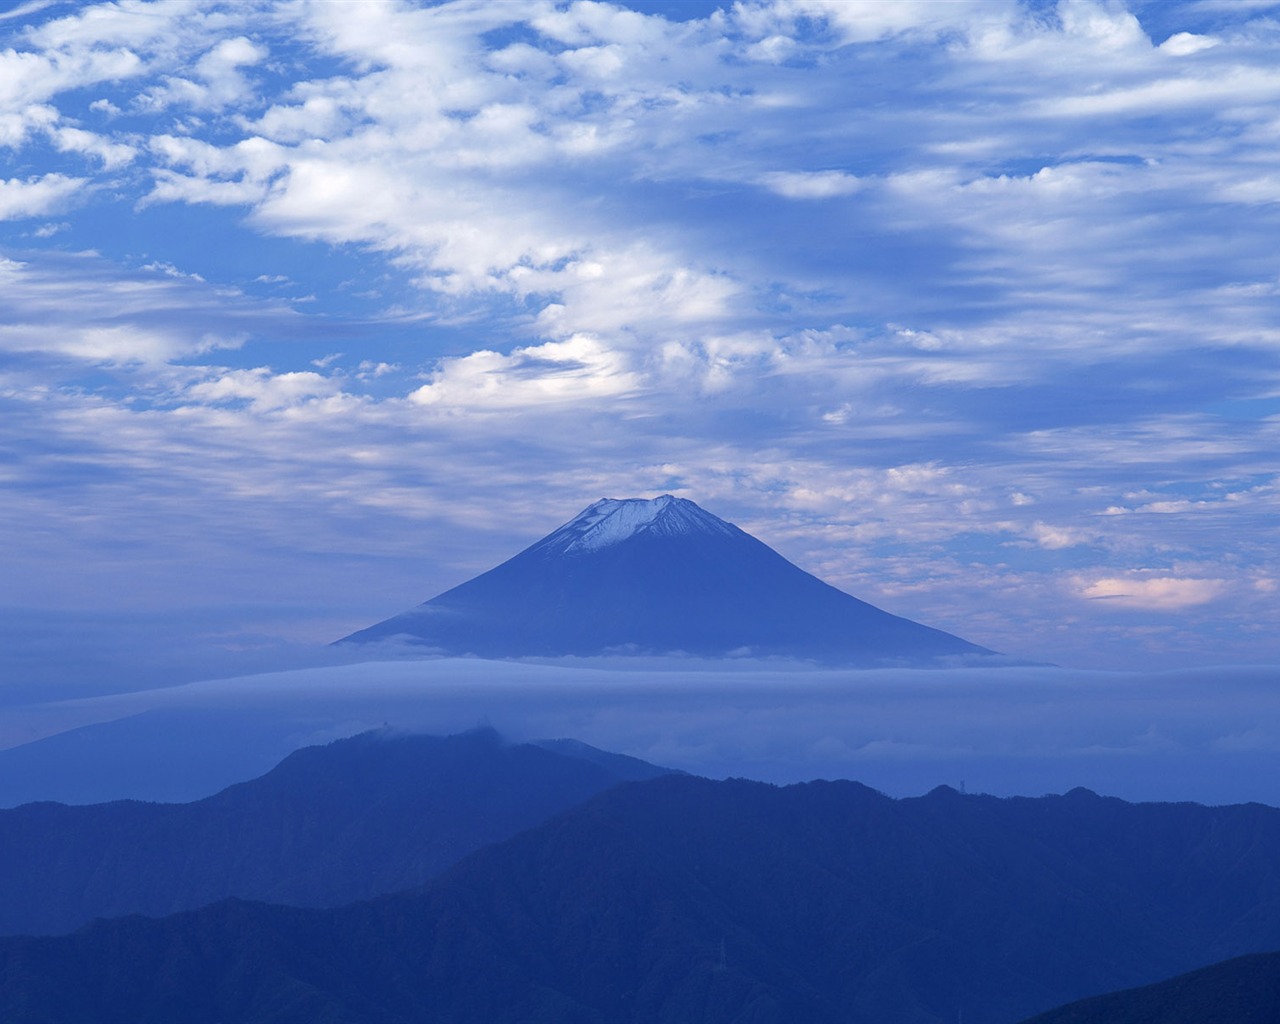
(76, 140)
(37, 196)
(1055, 538)
(30, 79)
(1163, 593)
(111, 344)
(83, 308)
(217, 81)
(1106, 25)
(810, 184)
(25, 10)
(1162, 94)
(263, 389)
(867, 20)
(120, 345)
(571, 371)
(1183, 44)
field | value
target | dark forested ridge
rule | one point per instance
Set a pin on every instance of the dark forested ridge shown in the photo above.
(329, 825)
(684, 900)
(1244, 990)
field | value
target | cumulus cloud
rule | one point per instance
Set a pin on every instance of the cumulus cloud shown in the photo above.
(572, 370)
(37, 196)
(110, 154)
(262, 389)
(217, 80)
(1183, 44)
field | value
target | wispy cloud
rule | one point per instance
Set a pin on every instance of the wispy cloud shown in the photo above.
(969, 307)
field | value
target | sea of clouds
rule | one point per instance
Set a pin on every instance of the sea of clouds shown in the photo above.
(1209, 735)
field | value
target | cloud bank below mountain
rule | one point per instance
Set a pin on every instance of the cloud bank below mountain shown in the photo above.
(1205, 735)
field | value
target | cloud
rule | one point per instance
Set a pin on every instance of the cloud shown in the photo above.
(37, 196)
(95, 344)
(810, 184)
(1056, 537)
(217, 81)
(262, 389)
(29, 79)
(111, 155)
(1171, 736)
(81, 307)
(1183, 44)
(1166, 593)
(557, 372)
(25, 10)
(861, 21)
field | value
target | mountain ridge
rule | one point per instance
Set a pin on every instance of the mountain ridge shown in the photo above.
(683, 899)
(328, 825)
(1243, 990)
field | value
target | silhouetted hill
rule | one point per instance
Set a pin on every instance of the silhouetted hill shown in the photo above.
(1245, 990)
(329, 825)
(657, 577)
(684, 900)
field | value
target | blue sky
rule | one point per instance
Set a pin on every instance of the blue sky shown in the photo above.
(309, 311)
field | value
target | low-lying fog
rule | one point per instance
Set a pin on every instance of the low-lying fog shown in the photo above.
(1209, 735)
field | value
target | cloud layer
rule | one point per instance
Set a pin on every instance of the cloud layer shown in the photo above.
(1209, 736)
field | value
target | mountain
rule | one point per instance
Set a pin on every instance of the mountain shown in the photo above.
(659, 576)
(1245, 990)
(684, 900)
(329, 825)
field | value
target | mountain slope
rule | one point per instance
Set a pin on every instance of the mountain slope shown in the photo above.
(329, 825)
(659, 576)
(1245, 990)
(685, 900)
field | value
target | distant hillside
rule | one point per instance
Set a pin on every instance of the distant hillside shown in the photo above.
(1245, 990)
(684, 900)
(329, 825)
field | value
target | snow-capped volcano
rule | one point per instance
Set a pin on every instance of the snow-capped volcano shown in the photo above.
(659, 576)
(612, 521)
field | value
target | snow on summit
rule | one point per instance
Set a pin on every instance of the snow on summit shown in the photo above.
(612, 520)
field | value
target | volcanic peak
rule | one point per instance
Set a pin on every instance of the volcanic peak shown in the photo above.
(611, 521)
(659, 576)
